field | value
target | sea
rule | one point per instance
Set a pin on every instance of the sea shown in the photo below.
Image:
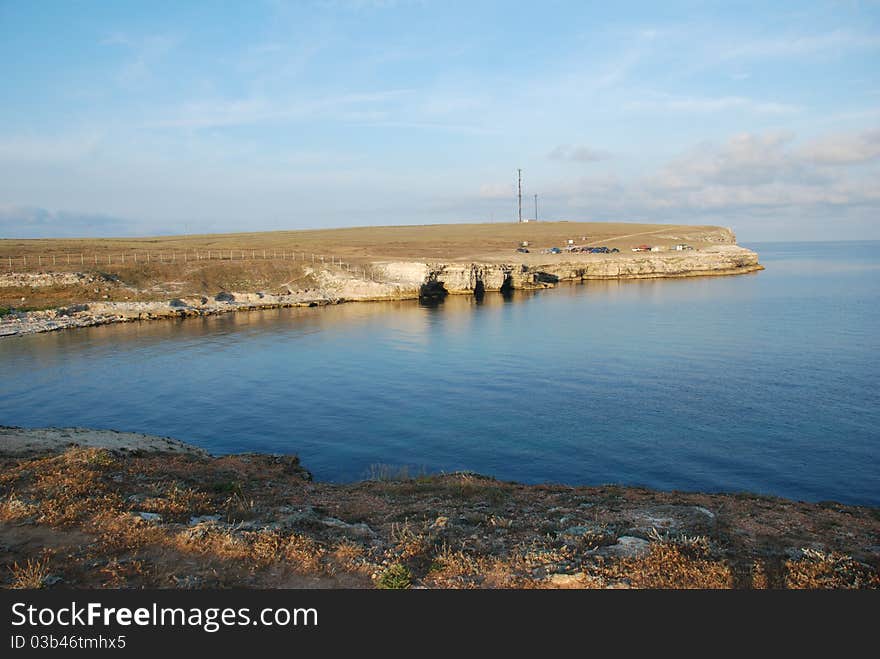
(764, 383)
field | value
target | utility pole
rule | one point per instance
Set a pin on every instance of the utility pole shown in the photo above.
(519, 191)
(536, 208)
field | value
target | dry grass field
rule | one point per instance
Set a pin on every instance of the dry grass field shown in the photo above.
(454, 242)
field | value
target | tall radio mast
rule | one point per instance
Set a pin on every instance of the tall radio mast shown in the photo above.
(519, 190)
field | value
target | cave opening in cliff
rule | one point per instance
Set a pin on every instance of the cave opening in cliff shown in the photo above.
(479, 290)
(507, 287)
(432, 293)
(546, 278)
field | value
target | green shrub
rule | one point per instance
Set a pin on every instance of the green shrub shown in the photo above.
(394, 577)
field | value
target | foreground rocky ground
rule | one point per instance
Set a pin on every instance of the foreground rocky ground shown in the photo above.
(89, 509)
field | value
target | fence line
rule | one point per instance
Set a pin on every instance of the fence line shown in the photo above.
(11, 263)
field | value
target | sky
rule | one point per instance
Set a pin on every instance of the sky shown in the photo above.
(144, 118)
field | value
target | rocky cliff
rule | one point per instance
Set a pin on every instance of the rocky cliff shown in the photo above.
(545, 270)
(401, 281)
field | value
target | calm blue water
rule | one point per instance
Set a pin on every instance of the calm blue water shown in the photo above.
(767, 383)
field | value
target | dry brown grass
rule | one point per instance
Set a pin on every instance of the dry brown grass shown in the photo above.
(350, 556)
(460, 569)
(208, 538)
(119, 532)
(31, 574)
(13, 509)
(453, 567)
(257, 549)
(239, 508)
(409, 542)
(816, 569)
(263, 547)
(178, 503)
(760, 580)
(118, 574)
(82, 504)
(71, 486)
(671, 566)
(303, 554)
(438, 241)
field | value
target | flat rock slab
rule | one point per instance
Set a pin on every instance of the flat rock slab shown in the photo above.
(672, 519)
(31, 441)
(626, 547)
(583, 531)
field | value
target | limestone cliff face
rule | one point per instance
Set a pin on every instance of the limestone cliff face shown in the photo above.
(462, 278)
(471, 277)
(718, 260)
(456, 278)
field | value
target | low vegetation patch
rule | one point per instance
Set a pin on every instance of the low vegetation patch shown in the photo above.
(394, 577)
(89, 517)
(29, 575)
(671, 566)
(816, 569)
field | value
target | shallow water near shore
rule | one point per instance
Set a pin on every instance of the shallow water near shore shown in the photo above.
(767, 383)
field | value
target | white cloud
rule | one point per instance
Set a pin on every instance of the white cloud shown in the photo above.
(358, 5)
(143, 54)
(794, 45)
(703, 104)
(578, 153)
(39, 149)
(749, 180)
(745, 160)
(497, 191)
(368, 106)
(761, 170)
(844, 149)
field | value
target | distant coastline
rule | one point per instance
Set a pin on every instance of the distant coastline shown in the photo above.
(454, 279)
(370, 264)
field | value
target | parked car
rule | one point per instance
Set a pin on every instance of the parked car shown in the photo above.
(614, 250)
(555, 250)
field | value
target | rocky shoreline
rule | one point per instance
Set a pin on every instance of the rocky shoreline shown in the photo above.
(386, 281)
(86, 508)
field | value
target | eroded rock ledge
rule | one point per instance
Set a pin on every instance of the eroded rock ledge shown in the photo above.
(468, 278)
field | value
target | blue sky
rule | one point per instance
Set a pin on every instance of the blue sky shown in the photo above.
(121, 118)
